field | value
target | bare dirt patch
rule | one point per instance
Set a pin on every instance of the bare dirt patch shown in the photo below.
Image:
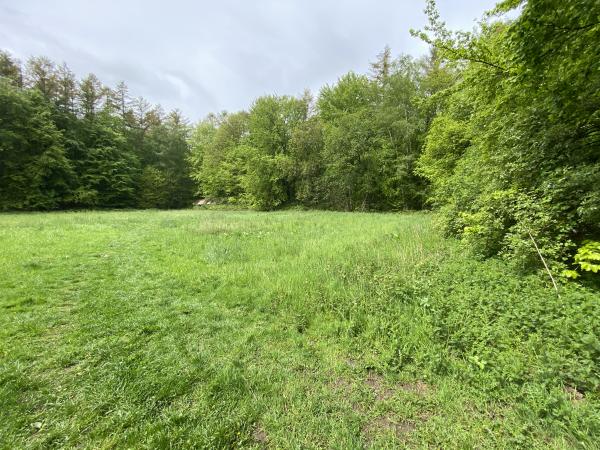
(382, 392)
(353, 364)
(574, 395)
(341, 384)
(377, 384)
(417, 387)
(260, 436)
(387, 423)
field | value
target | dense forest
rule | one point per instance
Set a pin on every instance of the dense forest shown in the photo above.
(499, 129)
(68, 143)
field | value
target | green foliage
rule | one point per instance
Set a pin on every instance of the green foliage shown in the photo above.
(153, 188)
(10, 69)
(305, 149)
(513, 152)
(498, 128)
(446, 142)
(349, 151)
(267, 182)
(265, 179)
(34, 170)
(173, 158)
(587, 258)
(219, 166)
(107, 168)
(66, 144)
(200, 141)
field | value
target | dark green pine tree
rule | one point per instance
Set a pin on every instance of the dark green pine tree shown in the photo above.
(108, 167)
(35, 172)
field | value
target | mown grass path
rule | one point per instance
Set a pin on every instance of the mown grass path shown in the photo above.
(213, 329)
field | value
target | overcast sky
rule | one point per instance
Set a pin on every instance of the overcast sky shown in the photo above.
(202, 56)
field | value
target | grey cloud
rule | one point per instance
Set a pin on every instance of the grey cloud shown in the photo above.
(203, 56)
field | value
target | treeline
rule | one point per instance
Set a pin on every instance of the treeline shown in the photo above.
(68, 143)
(353, 148)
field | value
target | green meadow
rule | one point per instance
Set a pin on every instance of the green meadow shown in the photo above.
(290, 329)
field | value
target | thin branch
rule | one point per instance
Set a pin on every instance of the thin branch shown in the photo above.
(544, 261)
(470, 58)
(573, 29)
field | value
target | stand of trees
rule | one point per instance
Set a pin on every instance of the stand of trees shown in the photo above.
(355, 147)
(66, 143)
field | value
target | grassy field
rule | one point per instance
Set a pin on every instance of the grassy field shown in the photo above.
(215, 329)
